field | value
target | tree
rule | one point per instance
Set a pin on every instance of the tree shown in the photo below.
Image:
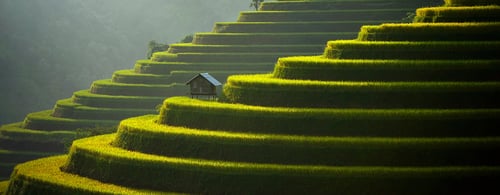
(187, 39)
(256, 4)
(153, 47)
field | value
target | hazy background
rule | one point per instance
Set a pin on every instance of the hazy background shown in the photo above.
(51, 48)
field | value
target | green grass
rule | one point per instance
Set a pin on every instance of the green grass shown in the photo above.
(426, 50)
(84, 97)
(151, 67)
(15, 131)
(197, 48)
(13, 137)
(145, 135)
(11, 156)
(95, 158)
(259, 57)
(268, 91)
(471, 2)
(3, 186)
(107, 87)
(192, 113)
(293, 27)
(44, 176)
(458, 14)
(322, 15)
(66, 108)
(130, 76)
(341, 5)
(44, 121)
(268, 38)
(320, 68)
(431, 32)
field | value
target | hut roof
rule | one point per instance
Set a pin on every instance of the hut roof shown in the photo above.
(207, 77)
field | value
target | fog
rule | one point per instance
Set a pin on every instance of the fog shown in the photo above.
(51, 48)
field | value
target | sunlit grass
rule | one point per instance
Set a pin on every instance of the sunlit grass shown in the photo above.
(16, 132)
(266, 90)
(198, 48)
(84, 97)
(96, 158)
(321, 68)
(43, 120)
(458, 14)
(270, 38)
(182, 111)
(159, 90)
(45, 176)
(431, 32)
(145, 135)
(417, 50)
(470, 2)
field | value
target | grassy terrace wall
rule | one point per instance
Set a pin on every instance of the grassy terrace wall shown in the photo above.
(431, 32)
(324, 69)
(456, 14)
(190, 113)
(268, 38)
(144, 134)
(408, 50)
(321, 15)
(273, 27)
(267, 91)
(126, 168)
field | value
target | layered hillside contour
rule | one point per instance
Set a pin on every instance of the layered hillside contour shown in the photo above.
(403, 109)
(250, 45)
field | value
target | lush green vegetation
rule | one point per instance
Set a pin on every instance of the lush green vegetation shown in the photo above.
(268, 91)
(95, 158)
(258, 57)
(67, 109)
(167, 67)
(44, 120)
(293, 27)
(320, 68)
(345, 4)
(471, 2)
(44, 176)
(197, 48)
(186, 112)
(84, 97)
(130, 76)
(431, 32)
(427, 125)
(425, 50)
(269, 38)
(9, 156)
(145, 135)
(321, 15)
(458, 14)
(108, 87)
(3, 186)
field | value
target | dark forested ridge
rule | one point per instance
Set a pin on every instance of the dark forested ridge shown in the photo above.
(50, 48)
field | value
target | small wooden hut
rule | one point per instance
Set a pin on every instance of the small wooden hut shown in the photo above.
(203, 84)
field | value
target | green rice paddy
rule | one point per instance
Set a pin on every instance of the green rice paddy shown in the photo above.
(404, 109)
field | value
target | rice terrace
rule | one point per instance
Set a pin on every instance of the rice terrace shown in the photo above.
(317, 97)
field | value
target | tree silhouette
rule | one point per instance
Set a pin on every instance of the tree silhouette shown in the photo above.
(256, 4)
(153, 47)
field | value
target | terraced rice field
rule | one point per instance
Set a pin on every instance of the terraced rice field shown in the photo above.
(250, 45)
(257, 141)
